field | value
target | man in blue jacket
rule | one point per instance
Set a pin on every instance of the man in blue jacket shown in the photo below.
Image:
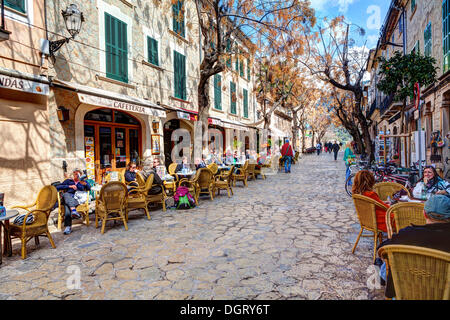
(70, 186)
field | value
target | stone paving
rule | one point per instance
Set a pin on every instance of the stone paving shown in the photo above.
(286, 237)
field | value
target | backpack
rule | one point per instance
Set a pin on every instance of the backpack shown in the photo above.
(183, 199)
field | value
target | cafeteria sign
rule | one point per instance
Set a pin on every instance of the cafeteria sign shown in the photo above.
(120, 105)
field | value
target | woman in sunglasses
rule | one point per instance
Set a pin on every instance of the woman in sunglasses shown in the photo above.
(433, 183)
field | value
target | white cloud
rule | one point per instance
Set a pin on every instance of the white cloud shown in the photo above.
(322, 5)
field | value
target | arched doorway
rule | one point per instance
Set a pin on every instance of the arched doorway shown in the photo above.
(112, 139)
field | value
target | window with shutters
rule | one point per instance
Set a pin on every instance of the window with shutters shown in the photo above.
(413, 5)
(228, 50)
(241, 66)
(233, 98)
(427, 40)
(179, 67)
(245, 94)
(178, 18)
(218, 91)
(152, 46)
(248, 69)
(116, 48)
(446, 33)
(18, 5)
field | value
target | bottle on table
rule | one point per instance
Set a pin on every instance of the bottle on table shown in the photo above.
(2, 208)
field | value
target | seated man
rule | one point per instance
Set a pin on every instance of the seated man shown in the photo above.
(70, 186)
(183, 165)
(199, 164)
(434, 235)
(148, 169)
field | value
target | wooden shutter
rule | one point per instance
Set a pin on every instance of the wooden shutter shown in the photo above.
(248, 69)
(245, 103)
(218, 91)
(152, 46)
(179, 75)
(116, 46)
(18, 5)
(178, 18)
(233, 97)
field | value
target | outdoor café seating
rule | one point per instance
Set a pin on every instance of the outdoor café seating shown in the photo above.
(83, 208)
(251, 170)
(241, 174)
(40, 210)
(365, 209)
(112, 204)
(418, 273)
(138, 200)
(388, 189)
(202, 183)
(223, 182)
(405, 214)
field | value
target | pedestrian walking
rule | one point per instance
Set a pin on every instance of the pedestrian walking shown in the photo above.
(348, 158)
(287, 153)
(318, 148)
(335, 147)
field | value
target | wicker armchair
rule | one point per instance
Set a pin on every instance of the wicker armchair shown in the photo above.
(84, 208)
(241, 174)
(418, 273)
(387, 189)
(223, 182)
(259, 171)
(251, 171)
(202, 180)
(112, 200)
(138, 200)
(365, 209)
(157, 198)
(214, 168)
(405, 214)
(40, 210)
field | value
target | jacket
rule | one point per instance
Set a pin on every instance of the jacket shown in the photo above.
(286, 150)
(69, 182)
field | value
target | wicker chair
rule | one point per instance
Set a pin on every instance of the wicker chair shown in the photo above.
(112, 200)
(387, 189)
(40, 210)
(259, 171)
(204, 183)
(157, 198)
(138, 200)
(418, 273)
(404, 214)
(214, 168)
(84, 208)
(223, 182)
(251, 170)
(365, 209)
(241, 174)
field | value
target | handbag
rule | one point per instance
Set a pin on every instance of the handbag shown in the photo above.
(81, 196)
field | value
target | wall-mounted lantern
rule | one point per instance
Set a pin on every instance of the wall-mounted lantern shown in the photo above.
(63, 114)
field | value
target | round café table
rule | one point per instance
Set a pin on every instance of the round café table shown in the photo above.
(4, 223)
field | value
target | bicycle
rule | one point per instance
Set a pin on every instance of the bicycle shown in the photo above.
(354, 168)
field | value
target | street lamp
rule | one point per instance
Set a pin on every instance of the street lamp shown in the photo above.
(73, 18)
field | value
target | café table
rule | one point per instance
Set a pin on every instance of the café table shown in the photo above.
(4, 223)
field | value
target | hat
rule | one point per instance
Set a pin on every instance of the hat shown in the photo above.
(438, 207)
(77, 170)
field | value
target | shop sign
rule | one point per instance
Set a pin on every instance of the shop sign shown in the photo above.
(215, 122)
(193, 117)
(124, 106)
(183, 115)
(233, 126)
(23, 85)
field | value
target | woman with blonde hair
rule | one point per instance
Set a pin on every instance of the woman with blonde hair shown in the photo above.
(363, 184)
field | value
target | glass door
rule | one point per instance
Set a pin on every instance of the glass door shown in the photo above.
(106, 156)
(120, 148)
(133, 135)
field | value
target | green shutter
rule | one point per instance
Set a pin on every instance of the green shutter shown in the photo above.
(248, 69)
(218, 91)
(428, 40)
(245, 103)
(178, 18)
(228, 49)
(179, 64)
(116, 46)
(233, 98)
(18, 5)
(446, 33)
(241, 68)
(152, 46)
(413, 5)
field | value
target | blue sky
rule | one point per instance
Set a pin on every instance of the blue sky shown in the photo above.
(368, 14)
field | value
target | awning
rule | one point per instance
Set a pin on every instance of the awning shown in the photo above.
(230, 124)
(113, 100)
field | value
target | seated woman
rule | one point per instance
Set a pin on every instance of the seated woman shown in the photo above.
(363, 184)
(433, 183)
(130, 175)
(70, 186)
(150, 168)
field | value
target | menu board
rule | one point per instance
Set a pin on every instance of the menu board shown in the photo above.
(90, 157)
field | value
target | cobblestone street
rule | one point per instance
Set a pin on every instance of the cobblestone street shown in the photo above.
(287, 237)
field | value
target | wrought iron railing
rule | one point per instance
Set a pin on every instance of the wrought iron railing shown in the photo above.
(387, 101)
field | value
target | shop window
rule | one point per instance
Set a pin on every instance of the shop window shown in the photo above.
(18, 5)
(104, 115)
(116, 48)
(120, 117)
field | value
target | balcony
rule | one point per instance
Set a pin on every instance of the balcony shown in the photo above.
(4, 34)
(389, 107)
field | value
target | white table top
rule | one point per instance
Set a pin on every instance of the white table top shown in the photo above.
(9, 214)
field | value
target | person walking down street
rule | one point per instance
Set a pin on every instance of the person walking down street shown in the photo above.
(348, 159)
(335, 147)
(287, 153)
(318, 148)
(70, 186)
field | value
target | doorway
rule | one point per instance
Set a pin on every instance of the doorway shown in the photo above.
(116, 140)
